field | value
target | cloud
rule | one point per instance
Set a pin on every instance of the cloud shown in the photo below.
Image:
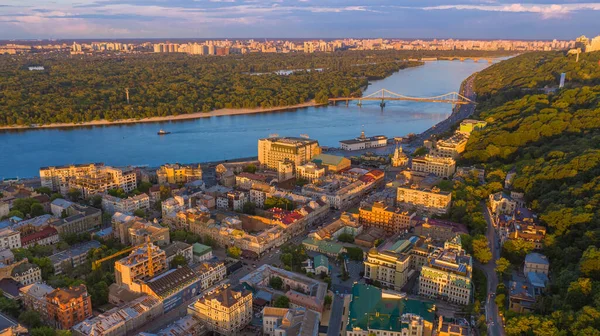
(546, 10)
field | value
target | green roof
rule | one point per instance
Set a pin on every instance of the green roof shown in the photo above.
(200, 249)
(326, 247)
(369, 310)
(328, 159)
(321, 260)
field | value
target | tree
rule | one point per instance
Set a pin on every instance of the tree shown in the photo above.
(144, 187)
(234, 252)
(165, 192)
(590, 263)
(140, 213)
(276, 283)
(346, 238)
(8, 306)
(178, 260)
(516, 250)
(15, 213)
(503, 267)
(55, 196)
(96, 201)
(251, 168)
(74, 194)
(328, 300)
(45, 264)
(22, 253)
(117, 192)
(378, 242)
(44, 190)
(355, 253)
(420, 151)
(481, 249)
(30, 318)
(282, 302)
(278, 202)
(37, 210)
(42, 331)
(249, 208)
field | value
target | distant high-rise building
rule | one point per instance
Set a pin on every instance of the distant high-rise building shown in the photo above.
(299, 151)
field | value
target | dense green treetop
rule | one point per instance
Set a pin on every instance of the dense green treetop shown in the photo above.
(76, 89)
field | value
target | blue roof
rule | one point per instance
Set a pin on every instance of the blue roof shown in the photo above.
(61, 202)
(537, 258)
(538, 280)
(261, 294)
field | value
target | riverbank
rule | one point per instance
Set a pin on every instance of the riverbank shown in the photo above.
(196, 115)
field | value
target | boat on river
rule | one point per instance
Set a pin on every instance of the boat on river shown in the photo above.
(163, 132)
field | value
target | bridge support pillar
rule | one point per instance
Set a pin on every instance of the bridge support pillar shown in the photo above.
(359, 103)
(347, 103)
(382, 104)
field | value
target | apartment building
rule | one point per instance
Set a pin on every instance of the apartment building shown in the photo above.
(178, 174)
(536, 263)
(27, 273)
(80, 218)
(68, 306)
(33, 297)
(102, 179)
(448, 274)
(75, 256)
(309, 172)
(178, 248)
(121, 321)
(392, 220)
(437, 165)
(142, 264)
(449, 148)
(290, 322)
(374, 311)
(57, 177)
(272, 151)
(211, 272)
(112, 204)
(430, 200)
(133, 230)
(9, 238)
(224, 310)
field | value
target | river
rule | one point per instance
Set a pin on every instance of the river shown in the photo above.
(23, 152)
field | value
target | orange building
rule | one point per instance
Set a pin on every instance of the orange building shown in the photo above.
(69, 306)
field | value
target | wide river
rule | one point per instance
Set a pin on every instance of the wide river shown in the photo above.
(23, 152)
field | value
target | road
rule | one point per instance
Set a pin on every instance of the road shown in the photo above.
(335, 319)
(495, 325)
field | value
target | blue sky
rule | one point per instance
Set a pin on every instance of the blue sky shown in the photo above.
(534, 19)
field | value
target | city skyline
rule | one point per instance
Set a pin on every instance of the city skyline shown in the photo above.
(537, 19)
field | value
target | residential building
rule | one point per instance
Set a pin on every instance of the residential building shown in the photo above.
(57, 177)
(112, 204)
(536, 263)
(60, 206)
(430, 200)
(439, 166)
(301, 290)
(318, 265)
(201, 252)
(467, 126)
(211, 272)
(363, 142)
(233, 200)
(285, 170)
(445, 328)
(521, 297)
(33, 297)
(290, 322)
(9, 238)
(46, 236)
(121, 321)
(449, 148)
(143, 263)
(328, 248)
(79, 219)
(185, 326)
(393, 264)
(102, 179)
(178, 248)
(68, 306)
(75, 256)
(8, 327)
(502, 204)
(530, 233)
(348, 223)
(246, 180)
(392, 220)
(448, 274)
(439, 230)
(344, 191)
(272, 151)
(27, 273)
(333, 163)
(378, 312)
(309, 171)
(132, 230)
(178, 174)
(6, 257)
(224, 310)
(4, 209)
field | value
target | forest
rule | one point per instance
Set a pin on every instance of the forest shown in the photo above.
(74, 89)
(552, 139)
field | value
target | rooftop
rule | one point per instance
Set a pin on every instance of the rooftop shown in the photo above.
(65, 295)
(201, 249)
(75, 250)
(172, 281)
(537, 258)
(227, 297)
(37, 290)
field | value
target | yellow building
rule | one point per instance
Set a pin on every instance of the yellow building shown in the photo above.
(392, 220)
(310, 172)
(224, 310)
(299, 151)
(176, 173)
(439, 166)
(56, 178)
(431, 200)
(450, 147)
(333, 163)
(467, 126)
(399, 159)
(137, 267)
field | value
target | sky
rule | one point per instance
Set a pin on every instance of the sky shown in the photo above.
(488, 19)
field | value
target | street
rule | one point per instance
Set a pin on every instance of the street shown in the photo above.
(495, 325)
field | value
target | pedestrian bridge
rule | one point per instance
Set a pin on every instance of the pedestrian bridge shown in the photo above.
(384, 95)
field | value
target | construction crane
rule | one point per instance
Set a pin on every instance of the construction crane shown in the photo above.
(96, 264)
